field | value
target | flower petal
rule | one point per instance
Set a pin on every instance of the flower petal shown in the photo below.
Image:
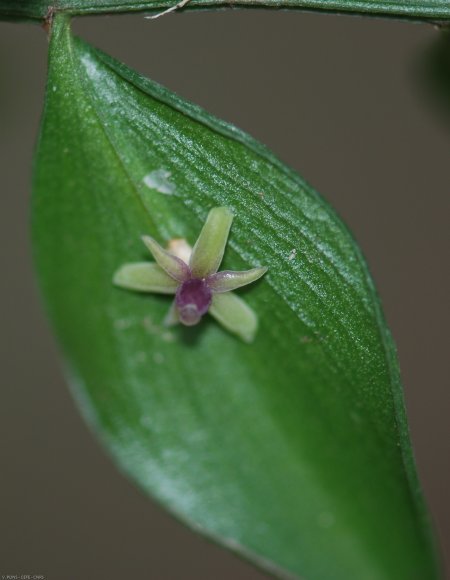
(229, 280)
(234, 315)
(172, 316)
(170, 263)
(179, 248)
(210, 245)
(145, 277)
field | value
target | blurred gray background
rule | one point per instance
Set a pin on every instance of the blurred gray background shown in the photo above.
(336, 98)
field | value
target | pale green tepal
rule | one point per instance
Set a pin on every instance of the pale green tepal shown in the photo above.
(191, 275)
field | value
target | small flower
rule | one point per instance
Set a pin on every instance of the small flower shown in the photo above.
(191, 275)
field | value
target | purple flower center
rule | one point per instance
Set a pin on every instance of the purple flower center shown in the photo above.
(193, 300)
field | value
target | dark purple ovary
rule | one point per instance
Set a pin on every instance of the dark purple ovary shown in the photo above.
(193, 300)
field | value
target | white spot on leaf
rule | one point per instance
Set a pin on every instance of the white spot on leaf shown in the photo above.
(123, 323)
(325, 520)
(140, 357)
(159, 180)
(168, 336)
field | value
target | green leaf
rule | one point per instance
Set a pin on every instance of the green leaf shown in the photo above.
(292, 451)
(412, 9)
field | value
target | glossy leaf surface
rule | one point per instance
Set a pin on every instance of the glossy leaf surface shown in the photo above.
(416, 9)
(293, 450)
